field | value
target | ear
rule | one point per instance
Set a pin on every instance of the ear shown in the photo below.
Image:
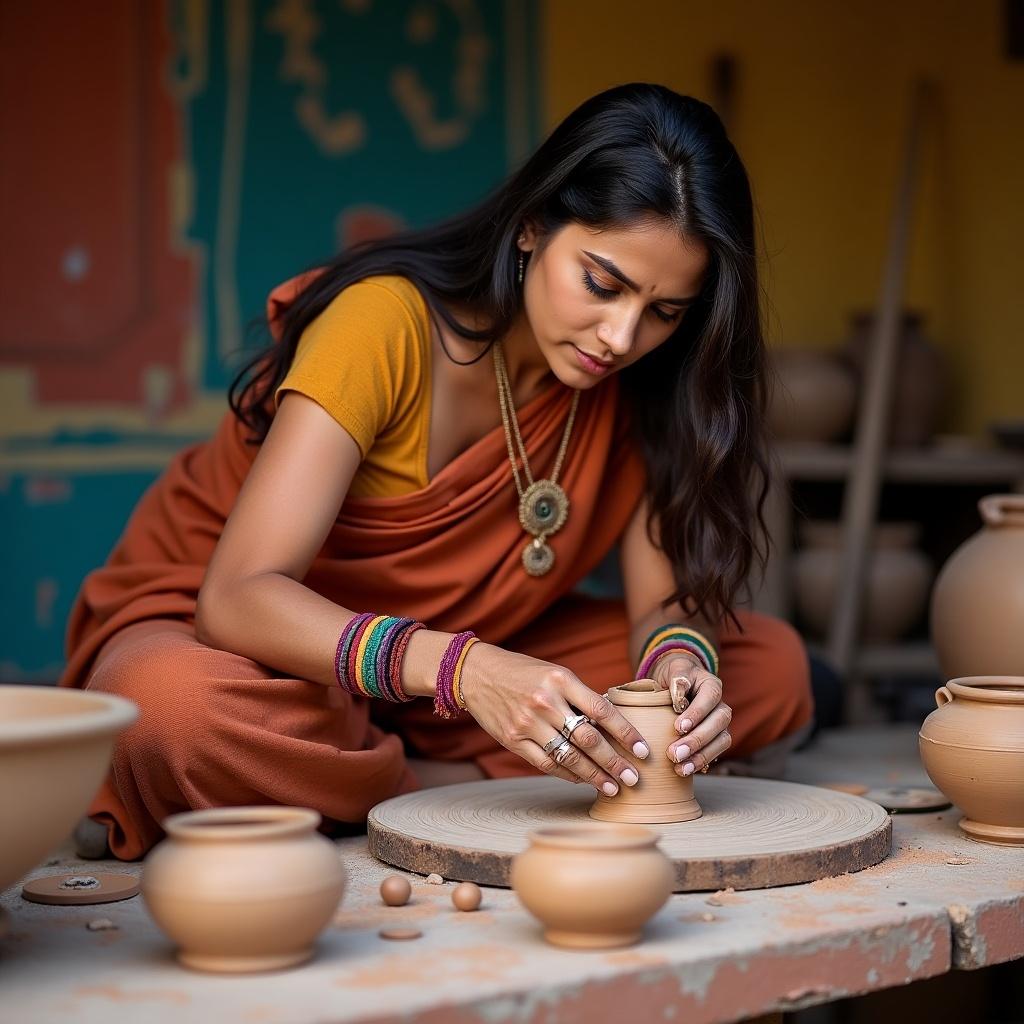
(528, 237)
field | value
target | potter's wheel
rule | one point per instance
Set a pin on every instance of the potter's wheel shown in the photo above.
(754, 832)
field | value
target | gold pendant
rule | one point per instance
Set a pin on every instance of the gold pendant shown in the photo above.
(538, 557)
(543, 508)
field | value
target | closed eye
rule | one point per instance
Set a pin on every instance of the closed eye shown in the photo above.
(607, 293)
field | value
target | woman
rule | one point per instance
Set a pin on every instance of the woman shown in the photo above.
(453, 428)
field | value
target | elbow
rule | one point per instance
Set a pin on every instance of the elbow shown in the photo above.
(206, 622)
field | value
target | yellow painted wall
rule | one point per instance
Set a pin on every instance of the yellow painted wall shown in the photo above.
(821, 111)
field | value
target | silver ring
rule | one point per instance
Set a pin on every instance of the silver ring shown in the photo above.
(571, 724)
(555, 741)
(562, 751)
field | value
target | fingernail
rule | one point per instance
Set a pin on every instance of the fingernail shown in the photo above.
(630, 777)
(681, 752)
(641, 750)
(688, 768)
(685, 725)
(610, 789)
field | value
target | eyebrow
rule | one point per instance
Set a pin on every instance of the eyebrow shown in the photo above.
(615, 272)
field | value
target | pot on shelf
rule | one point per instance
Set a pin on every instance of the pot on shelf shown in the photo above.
(813, 397)
(897, 581)
(972, 747)
(977, 610)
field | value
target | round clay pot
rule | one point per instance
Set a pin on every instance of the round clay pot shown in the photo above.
(593, 886)
(897, 582)
(977, 608)
(972, 747)
(919, 386)
(55, 746)
(661, 795)
(243, 888)
(813, 397)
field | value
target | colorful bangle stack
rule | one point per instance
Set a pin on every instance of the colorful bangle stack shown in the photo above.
(368, 661)
(674, 637)
(448, 700)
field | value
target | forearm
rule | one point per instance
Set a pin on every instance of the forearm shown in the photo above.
(279, 622)
(641, 628)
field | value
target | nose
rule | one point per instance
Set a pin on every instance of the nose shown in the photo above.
(618, 332)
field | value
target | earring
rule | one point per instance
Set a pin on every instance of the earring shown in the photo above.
(521, 262)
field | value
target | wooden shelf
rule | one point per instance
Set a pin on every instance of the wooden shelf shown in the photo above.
(936, 465)
(910, 658)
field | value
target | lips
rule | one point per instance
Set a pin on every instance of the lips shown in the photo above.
(600, 362)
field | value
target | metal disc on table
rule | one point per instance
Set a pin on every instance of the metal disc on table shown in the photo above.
(908, 799)
(80, 889)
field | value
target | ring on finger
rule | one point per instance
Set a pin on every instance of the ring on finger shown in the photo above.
(554, 743)
(572, 723)
(561, 752)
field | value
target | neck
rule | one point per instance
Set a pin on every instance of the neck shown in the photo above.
(528, 370)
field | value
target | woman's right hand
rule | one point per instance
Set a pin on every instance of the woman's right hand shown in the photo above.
(523, 702)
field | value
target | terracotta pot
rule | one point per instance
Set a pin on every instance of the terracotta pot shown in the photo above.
(977, 609)
(813, 397)
(55, 746)
(661, 795)
(919, 387)
(593, 886)
(243, 888)
(897, 582)
(972, 747)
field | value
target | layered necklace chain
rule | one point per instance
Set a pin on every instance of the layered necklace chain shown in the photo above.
(543, 505)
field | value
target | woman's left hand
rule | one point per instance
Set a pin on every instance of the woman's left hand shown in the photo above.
(703, 723)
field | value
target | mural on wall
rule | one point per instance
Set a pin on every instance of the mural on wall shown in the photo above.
(174, 161)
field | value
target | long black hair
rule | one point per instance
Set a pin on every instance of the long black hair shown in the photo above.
(697, 401)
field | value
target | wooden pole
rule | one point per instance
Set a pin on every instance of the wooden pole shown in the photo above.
(860, 496)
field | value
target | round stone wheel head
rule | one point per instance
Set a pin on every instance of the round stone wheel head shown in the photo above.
(661, 796)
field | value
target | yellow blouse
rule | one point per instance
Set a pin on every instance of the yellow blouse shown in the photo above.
(366, 360)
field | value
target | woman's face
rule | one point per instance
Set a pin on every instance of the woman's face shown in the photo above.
(598, 300)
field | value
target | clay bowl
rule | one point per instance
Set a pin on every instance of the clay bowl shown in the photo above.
(972, 747)
(242, 889)
(55, 746)
(593, 886)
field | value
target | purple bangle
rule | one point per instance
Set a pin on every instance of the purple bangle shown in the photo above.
(341, 656)
(444, 699)
(665, 648)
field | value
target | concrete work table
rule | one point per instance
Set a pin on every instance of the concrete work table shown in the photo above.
(939, 902)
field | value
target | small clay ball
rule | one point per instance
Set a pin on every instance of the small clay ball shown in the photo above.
(395, 891)
(466, 896)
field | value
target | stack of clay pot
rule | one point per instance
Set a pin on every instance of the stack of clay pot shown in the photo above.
(972, 746)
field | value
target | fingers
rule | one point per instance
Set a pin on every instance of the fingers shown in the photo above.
(702, 758)
(600, 710)
(680, 672)
(705, 696)
(702, 737)
(535, 755)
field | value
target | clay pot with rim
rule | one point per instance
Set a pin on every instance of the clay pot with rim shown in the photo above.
(55, 745)
(972, 747)
(898, 579)
(661, 795)
(593, 886)
(977, 610)
(243, 888)
(813, 397)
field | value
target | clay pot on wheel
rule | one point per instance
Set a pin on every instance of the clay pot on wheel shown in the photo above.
(593, 886)
(897, 582)
(661, 795)
(813, 397)
(972, 747)
(977, 610)
(243, 888)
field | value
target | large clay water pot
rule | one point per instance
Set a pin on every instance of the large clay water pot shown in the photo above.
(972, 747)
(661, 795)
(977, 613)
(243, 888)
(55, 746)
(897, 582)
(813, 397)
